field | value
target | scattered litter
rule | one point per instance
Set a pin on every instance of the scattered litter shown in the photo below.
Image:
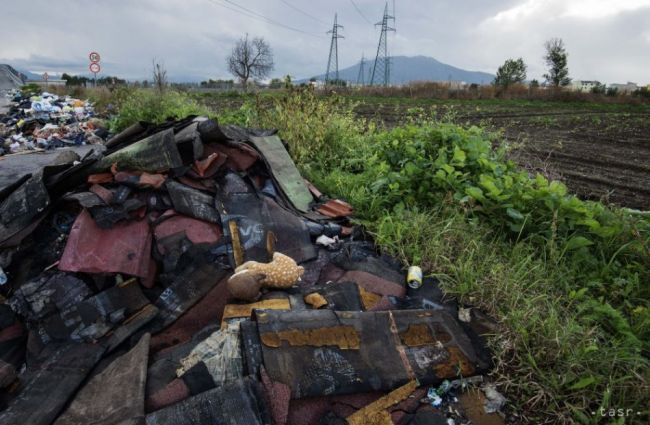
(494, 399)
(465, 314)
(414, 277)
(48, 121)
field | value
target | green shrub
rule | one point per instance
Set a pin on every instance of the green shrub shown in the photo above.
(152, 106)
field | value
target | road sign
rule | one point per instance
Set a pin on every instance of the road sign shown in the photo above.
(94, 57)
(94, 68)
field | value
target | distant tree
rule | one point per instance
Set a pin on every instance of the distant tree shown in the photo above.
(159, 76)
(275, 83)
(534, 84)
(513, 71)
(556, 61)
(250, 59)
(599, 88)
(287, 82)
(74, 80)
(612, 91)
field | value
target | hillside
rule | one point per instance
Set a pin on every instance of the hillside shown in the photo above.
(417, 68)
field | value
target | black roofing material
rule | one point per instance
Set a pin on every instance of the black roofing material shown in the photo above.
(48, 387)
(217, 407)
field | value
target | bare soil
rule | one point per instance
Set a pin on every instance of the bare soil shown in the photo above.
(600, 155)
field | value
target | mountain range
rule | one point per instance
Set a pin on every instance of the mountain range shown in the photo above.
(405, 69)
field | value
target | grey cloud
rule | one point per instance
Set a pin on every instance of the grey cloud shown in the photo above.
(194, 37)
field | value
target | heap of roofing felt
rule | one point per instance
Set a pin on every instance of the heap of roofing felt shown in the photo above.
(117, 308)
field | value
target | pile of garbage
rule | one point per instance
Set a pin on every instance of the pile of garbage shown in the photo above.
(48, 121)
(188, 274)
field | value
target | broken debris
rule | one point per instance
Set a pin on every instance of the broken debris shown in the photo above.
(260, 303)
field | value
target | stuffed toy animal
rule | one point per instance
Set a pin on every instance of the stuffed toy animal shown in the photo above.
(281, 273)
(249, 278)
(245, 285)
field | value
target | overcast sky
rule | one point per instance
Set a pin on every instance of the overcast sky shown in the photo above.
(607, 40)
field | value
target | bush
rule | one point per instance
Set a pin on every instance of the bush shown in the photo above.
(152, 106)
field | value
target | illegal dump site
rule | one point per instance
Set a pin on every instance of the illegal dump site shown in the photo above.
(185, 272)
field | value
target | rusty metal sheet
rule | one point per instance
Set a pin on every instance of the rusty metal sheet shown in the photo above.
(322, 352)
(125, 248)
(335, 208)
(115, 395)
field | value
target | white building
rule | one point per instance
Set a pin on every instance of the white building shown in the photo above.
(624, 88)
(584, 86)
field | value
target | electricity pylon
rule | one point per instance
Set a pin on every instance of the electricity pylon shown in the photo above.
(381, 70)
(361, 78)
(333, 61)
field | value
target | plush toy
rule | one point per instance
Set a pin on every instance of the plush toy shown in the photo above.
(281, 273)
(245, 285)
(250, 277)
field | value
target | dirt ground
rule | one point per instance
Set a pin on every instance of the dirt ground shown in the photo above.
(602, 155)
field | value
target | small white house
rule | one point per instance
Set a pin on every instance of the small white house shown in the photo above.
(624, 88)
(584, 86)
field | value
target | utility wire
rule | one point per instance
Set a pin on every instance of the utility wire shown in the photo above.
(303, 12)
(254, 15)
(360, 12)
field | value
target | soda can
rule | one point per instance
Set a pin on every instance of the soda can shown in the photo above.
(414, 277)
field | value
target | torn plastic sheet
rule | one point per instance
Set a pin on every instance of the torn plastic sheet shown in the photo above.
(125, 248)
(241, 400)
(322, 352)
(48, 387)
(156, 153)
(115, 395)
(284, 171)
(192, 202)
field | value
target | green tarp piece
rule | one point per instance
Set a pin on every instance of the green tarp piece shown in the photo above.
(284, 171)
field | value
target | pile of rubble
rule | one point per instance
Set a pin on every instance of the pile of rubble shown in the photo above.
(48, 121)
(189, 275)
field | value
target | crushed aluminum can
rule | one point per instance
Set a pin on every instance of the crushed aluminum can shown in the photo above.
(414, 277)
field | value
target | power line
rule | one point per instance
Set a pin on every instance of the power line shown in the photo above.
(360, 12)
(303, 12)
(254, 15)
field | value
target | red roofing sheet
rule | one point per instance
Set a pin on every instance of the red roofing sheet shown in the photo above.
(124, 248)
(335, 208)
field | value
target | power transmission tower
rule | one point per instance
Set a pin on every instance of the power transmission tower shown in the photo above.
(381, 70)
(361, 78)
(333, 61)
